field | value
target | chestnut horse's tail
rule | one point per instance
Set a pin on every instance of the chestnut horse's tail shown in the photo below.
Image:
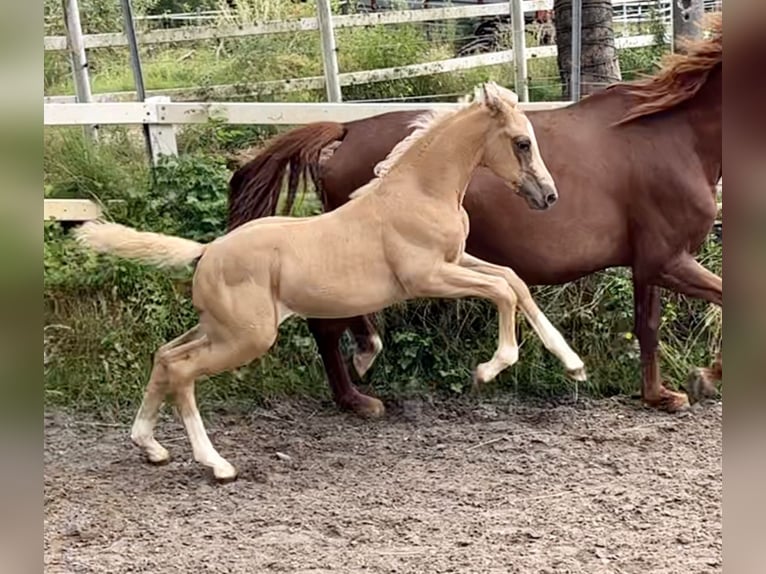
(255, 187)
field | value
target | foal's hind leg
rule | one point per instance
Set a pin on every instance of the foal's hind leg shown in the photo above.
(549, 335)
(142, 433)
(215, 355)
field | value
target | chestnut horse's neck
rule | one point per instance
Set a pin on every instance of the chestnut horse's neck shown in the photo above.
(704, 113)
(685, 96)
(443, 160)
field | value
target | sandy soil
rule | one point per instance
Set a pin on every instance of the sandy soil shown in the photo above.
(600, 486)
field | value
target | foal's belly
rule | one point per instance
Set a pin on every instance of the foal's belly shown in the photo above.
(323, 299)
(344, 277)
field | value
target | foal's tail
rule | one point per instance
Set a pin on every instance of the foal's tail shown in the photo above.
(254, 188)
(152, 248)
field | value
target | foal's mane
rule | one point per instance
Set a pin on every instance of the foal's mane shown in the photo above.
(682, 75)
(423, 126)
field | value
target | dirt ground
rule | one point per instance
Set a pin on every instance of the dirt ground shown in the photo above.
(469, 486)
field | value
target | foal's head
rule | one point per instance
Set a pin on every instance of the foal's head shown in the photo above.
(511, 149)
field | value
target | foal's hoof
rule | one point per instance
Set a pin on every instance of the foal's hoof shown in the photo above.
(669, 401)
(160, 460)
(224, 474)
(701, 385)
(157, 454)
(364, 406)
(579, 374)
(482, 375)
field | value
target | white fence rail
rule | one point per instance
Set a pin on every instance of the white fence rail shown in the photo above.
(353, 78)
(179, 113)
(196, 33)
(162, 116)
(234, 91)
(625, 11)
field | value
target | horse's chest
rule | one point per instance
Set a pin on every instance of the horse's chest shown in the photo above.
(439, 232)
(458, 238)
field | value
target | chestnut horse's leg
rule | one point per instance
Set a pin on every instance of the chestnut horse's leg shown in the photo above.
(701, 381)
(368, 343)
(327, 334)
(685, 275)
(647, 314)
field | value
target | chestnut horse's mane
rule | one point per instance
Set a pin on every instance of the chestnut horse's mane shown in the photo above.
(682, 75)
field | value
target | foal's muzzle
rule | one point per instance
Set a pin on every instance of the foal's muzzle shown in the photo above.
(538, 195)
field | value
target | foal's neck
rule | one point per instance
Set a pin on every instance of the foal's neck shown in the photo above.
(445, 160)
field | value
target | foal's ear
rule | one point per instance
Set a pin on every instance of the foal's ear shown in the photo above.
(508, 95)
(491, 97)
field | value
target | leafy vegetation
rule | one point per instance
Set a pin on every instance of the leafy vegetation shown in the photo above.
(105, 317)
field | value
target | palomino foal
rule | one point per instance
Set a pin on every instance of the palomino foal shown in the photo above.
(408, 229)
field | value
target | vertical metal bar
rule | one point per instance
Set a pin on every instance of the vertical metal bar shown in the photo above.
(329, 52)
(519, 51)
(135, 64)
(78, 57)
(135, 57)
(576, 49)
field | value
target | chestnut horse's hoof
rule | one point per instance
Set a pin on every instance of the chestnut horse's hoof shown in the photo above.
(669, 401)
(701, 385)
(364, 406)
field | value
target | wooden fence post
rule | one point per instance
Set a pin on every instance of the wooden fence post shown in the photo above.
(162, 137)
(687, 20)
(519, 45)
(78, 57)
(329, 52)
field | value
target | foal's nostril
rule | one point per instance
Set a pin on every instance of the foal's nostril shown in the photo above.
(551, 198)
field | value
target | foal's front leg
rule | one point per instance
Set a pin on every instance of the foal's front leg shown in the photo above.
(549, 335)
(453, 281)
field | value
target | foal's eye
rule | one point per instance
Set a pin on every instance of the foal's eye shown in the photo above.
(523, 145)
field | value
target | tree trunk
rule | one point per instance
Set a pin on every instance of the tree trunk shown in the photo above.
(599, 65)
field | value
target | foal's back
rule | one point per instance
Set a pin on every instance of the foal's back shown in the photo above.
(327, 265)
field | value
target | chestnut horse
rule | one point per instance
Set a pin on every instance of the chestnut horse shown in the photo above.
(636, 165)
